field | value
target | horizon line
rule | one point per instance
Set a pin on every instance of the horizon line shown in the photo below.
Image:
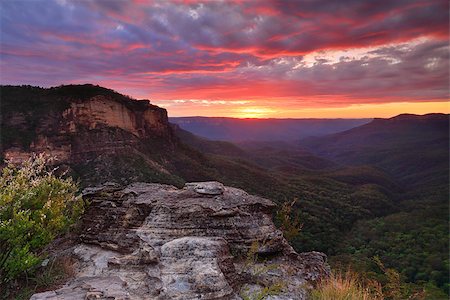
(299, 118)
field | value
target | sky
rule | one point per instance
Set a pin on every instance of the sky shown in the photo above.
(286, 59)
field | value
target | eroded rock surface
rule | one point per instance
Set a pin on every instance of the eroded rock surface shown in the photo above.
(153, 241)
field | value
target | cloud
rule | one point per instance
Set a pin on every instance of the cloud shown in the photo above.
(303, 52)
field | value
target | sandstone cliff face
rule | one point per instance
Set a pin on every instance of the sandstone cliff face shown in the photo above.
(97, 137)
(152, 241)
(55, 133)
(99, 111)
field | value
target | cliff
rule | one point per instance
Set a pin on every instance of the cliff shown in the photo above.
(90, 131)
(152, 241)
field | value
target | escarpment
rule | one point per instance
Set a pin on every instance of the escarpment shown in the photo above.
(89, 131)
(205, 241)
(142, 119)
(96, 125)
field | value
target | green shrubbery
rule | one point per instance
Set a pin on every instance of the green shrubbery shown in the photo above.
(35, 206)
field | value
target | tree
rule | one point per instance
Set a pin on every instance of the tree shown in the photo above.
(35, 206)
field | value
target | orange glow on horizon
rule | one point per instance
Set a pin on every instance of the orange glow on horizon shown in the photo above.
(254, 112)
(384, 110)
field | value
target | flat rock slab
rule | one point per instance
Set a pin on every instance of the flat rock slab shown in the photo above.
(206, 188)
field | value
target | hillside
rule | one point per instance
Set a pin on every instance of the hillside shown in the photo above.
(237, 130)
(413, 148)
(207, 146)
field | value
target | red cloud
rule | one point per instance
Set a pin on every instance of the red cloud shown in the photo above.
(233, 49)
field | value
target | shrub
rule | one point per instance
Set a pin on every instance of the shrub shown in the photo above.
(347, 286)
(288, 222)
(35, 206)
(394, 285)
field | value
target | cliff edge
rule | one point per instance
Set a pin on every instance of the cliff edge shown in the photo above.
(204, 241)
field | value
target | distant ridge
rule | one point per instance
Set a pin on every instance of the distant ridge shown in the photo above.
(237, 130)
(408, 146)
(415, 116)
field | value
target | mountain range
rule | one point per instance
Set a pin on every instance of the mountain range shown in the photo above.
(362, 188)
(254, 129)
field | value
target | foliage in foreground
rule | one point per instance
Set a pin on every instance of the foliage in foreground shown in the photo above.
(35, 206)
(347, 286)
(350, 285)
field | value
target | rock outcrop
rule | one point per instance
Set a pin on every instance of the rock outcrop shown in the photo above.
(205, 241)
(58, 133)
(142, 119)
(90, 131)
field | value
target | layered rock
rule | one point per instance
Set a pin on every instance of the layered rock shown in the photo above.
(57, 132)
(89, 134)
(142, 120)
(152, 241)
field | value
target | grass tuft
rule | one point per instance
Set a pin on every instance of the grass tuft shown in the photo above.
(347, 286)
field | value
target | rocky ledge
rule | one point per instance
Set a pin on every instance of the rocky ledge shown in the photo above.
(205, 241)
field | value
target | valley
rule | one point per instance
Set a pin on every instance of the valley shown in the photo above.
(375, 189)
